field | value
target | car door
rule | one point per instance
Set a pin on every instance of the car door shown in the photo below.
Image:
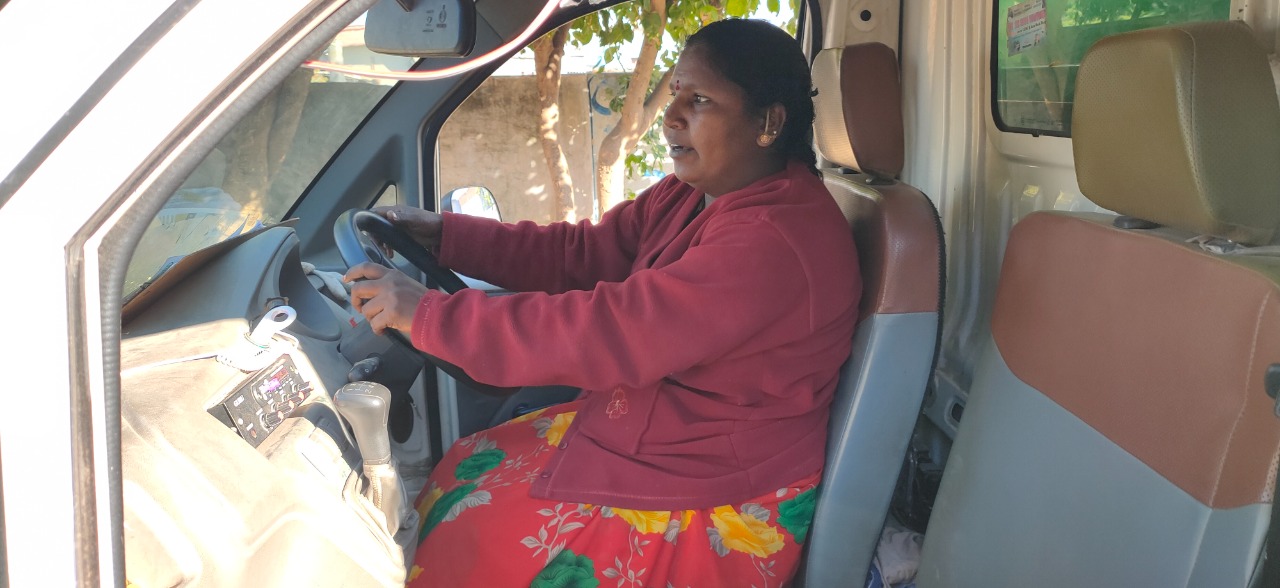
(102, 142)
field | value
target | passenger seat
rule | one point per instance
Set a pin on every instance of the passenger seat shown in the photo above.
(899, 239)
(1118, 432)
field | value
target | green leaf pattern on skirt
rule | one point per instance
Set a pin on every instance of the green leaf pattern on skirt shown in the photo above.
(796, 515)
(567, 570)
(479, 463)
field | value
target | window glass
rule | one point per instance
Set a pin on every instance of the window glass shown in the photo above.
(260, 168)
(543, 152)
(389, 197)
(1038, 45)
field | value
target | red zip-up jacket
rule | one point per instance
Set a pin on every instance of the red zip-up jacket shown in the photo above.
(709, 344)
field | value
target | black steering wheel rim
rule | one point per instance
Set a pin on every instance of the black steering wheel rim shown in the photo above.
(354, 250)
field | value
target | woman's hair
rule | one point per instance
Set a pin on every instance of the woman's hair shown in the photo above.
(768, 64)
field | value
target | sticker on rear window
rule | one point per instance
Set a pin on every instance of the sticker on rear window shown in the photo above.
(1025, 26)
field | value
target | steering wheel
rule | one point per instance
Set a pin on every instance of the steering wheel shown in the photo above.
(351, 233)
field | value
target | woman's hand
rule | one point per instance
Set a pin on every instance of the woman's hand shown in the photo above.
(387, 298)
(422, 225)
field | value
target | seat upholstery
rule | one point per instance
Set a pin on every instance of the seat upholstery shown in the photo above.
(1185, 138)
(899, 239)
(1117, 431)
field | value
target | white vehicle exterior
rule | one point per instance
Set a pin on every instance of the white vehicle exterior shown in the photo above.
(119, 101)
(165, 73)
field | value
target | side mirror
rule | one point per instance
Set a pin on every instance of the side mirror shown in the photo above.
(471, 201)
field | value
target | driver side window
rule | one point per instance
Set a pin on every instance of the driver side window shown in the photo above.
(552, 133)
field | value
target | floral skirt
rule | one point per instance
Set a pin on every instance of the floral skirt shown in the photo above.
(481, 528)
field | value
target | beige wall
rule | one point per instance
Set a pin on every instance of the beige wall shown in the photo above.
(491, 141)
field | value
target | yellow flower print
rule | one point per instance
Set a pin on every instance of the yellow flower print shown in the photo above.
(432, 496)
(528, 416)
(677, 525)
(745, 533)
(558, 427)
(645, 521)
(414, 573)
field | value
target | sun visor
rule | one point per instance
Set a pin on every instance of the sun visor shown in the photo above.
(421, 28)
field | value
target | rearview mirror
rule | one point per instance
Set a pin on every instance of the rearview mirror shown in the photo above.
(421, 28)
(471, 201)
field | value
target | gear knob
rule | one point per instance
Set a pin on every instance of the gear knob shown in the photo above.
(365, 405)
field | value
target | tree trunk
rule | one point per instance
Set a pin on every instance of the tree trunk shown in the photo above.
(548, 52)
(639, 110)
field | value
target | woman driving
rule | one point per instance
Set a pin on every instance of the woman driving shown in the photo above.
(705, 321)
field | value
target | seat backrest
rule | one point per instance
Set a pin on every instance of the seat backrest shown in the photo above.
(859, 127)
(1118, 432)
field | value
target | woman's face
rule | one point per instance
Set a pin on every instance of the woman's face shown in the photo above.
(711, 130)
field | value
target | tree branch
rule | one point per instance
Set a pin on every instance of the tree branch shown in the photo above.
(636, 104)
(658, 99)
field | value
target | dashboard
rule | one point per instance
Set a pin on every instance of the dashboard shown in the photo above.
(235, 477)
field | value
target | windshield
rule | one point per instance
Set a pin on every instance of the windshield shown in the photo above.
(259, 169)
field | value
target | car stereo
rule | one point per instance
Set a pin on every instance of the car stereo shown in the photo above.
(259, 405)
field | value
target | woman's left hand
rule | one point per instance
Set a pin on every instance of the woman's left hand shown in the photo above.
(386, 297)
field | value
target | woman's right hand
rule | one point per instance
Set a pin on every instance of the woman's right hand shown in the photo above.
(422, 225)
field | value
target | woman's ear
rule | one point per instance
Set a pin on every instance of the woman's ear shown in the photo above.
(775, 117)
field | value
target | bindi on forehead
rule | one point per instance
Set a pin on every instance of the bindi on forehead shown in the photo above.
(676, 85)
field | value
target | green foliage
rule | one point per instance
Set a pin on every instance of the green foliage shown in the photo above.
(648, 157)
(616, 26)
(1081, 12)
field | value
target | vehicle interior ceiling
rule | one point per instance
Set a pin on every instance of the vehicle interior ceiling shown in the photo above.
(255, 462)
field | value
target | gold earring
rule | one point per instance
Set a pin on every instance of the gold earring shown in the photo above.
(766, 138)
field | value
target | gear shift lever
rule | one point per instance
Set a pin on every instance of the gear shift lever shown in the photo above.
(365, 406)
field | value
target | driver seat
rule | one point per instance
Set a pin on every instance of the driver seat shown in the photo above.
(859, 127)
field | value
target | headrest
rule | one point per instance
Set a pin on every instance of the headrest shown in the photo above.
(1180, 126)
(858, 109)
